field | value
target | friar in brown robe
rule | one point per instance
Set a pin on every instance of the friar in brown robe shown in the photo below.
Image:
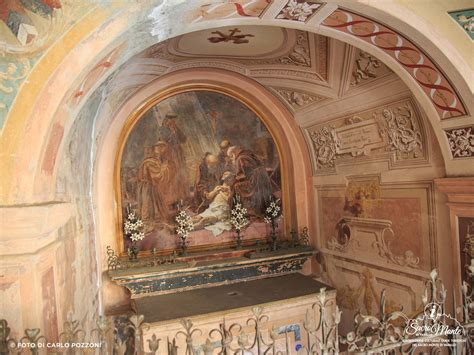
(252, 182)
(156, 193)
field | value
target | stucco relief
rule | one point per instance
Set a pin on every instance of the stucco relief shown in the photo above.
(366, 68)
(298, 10)
(299, 54)
(298, 99)
(392, 132)
(325, 143)
(461, 141)
(465, 19)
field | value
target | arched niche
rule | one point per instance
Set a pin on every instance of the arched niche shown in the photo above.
(295, 161)
(173, 151)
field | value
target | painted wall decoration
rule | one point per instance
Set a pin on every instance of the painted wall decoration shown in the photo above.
(466, 244)
(465, 19)
(12, 74)
(410, 57)
(230, 9)
(27, 29)
(27, 22)
(384, 225)
(201, 148)
(49, 305)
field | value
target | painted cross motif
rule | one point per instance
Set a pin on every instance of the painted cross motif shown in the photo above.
(232, 36)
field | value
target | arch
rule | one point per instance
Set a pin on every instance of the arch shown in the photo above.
(49, 116)
(283, 128)
(200, 84)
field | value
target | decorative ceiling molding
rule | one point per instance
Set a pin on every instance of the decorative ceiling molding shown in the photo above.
(306, 57)
(428, 76)
(298, 99)
(299, 55)
(379, 93)
(235, 42)
(461, 141)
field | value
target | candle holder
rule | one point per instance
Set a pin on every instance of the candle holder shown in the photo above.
(238, 218)
(272, 213)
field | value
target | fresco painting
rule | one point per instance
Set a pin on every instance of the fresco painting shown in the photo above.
(200, 149)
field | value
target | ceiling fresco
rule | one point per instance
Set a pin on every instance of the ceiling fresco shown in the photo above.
(302, 69)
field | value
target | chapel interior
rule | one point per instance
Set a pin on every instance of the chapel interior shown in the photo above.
(246, 176)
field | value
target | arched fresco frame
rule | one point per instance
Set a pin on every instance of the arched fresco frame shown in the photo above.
(289, 214)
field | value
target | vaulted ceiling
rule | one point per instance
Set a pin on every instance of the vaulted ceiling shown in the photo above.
(317, 78)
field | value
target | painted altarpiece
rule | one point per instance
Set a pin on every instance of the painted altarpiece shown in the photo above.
(200, 149)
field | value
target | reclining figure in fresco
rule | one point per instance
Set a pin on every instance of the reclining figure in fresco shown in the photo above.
(216, 217)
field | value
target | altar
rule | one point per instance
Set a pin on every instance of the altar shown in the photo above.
(245, 300)
(282, 313)
(212, 237)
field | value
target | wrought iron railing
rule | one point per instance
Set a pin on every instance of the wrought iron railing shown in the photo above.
(386, 333)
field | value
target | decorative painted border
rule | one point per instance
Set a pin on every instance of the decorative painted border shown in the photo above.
(411, 58)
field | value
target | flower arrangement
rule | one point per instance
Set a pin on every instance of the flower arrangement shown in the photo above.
(185, 225)
(238, 218)
(132, 230)
(272, 212)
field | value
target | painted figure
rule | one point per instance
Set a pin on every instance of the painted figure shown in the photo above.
(206, 182)
(224, 162)
(180, 150)
(170, 133)
(155, 193)
(252, 182)
(216, 217)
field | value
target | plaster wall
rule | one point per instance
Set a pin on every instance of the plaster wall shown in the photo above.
(42, 118)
